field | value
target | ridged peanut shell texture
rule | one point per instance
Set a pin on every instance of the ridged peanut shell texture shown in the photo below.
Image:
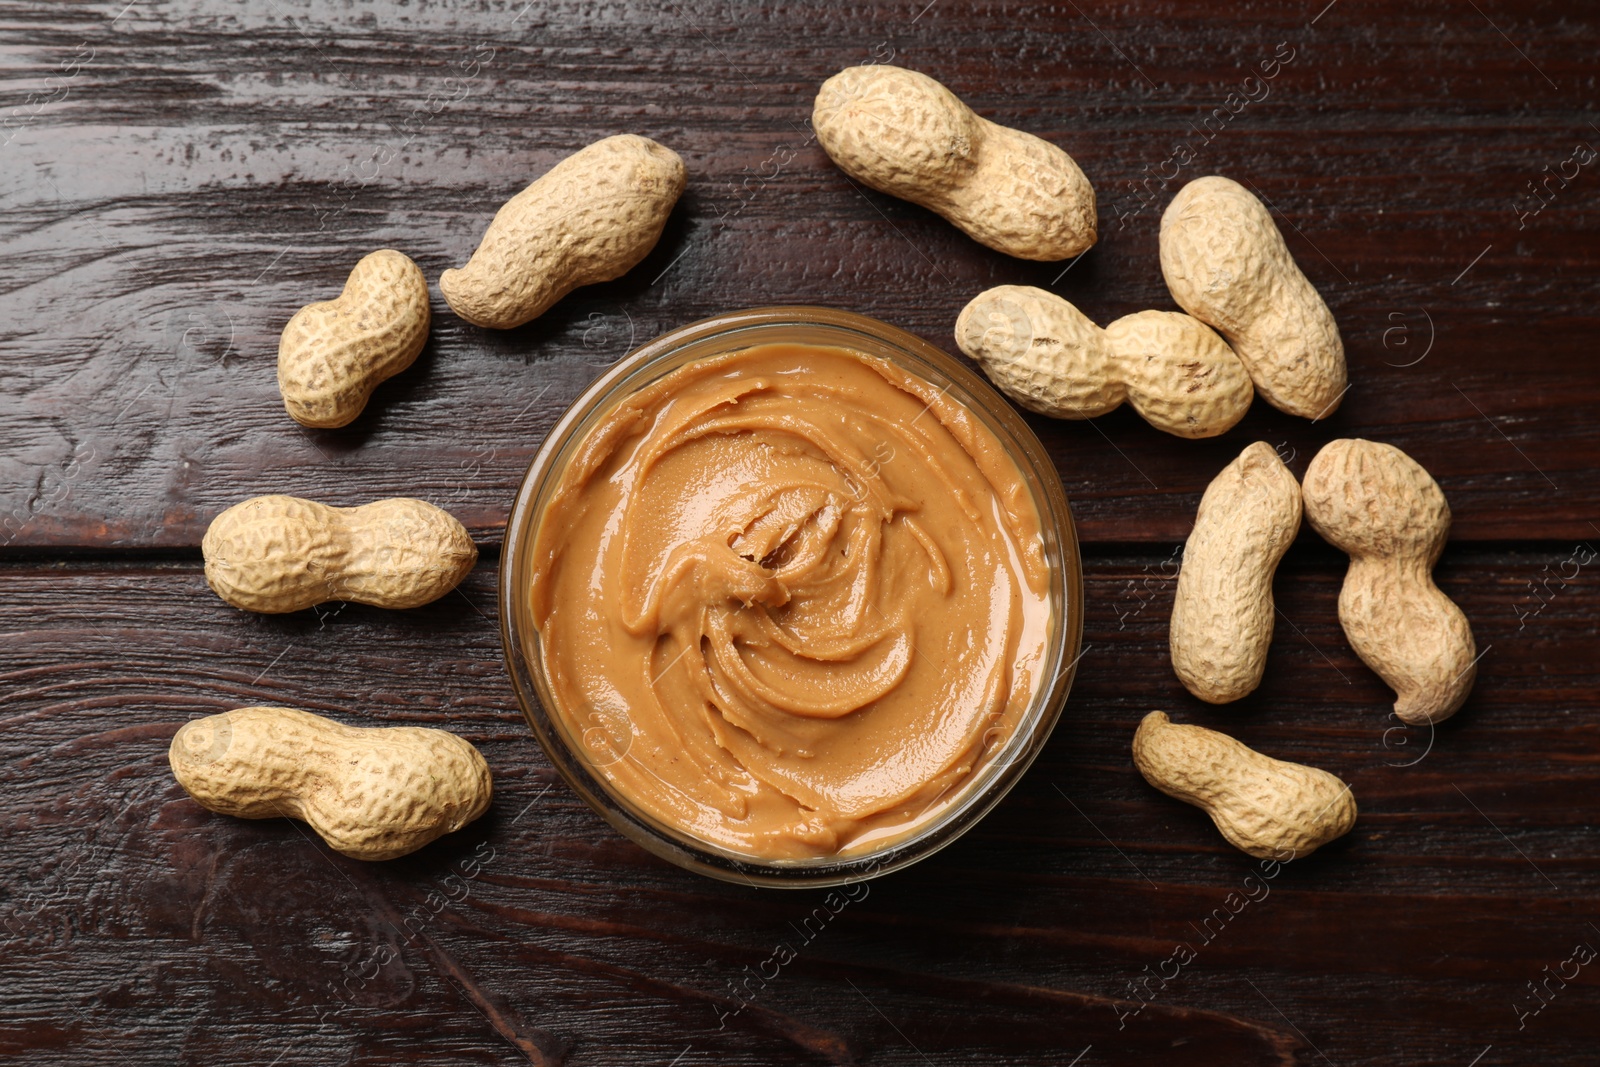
(1377, 504)
(904, 134)
(281, 553)
(590, 219)
(1226, 264)
(372, 793)
(332, 355)
(1049, 357)
(1223, 612)
(1269, 808)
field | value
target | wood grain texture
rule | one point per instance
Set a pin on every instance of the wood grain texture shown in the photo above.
(177, 178)
(142, 928)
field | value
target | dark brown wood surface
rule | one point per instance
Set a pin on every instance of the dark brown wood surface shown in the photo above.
(176, 178)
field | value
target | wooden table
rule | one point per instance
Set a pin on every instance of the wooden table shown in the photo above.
(177, 177)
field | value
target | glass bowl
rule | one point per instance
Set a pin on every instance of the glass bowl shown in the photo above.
(990, 780)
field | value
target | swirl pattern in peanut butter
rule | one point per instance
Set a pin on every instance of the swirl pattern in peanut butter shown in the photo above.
(789, 599)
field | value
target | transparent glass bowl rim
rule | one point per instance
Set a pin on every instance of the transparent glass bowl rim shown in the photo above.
(732, 331)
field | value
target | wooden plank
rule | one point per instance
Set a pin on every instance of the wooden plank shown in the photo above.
(177, 178)
(141, 928)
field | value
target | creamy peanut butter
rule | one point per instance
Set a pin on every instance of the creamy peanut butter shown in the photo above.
(789, 598)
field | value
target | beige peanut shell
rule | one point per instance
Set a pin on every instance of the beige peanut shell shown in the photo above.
(590, 219)
(1377, 504)
(1227, 265)
(1049, 357)
(333, 354)
(1223, 612)
(372, 793)
(282, 553)
(1269, 808)
(905, 134)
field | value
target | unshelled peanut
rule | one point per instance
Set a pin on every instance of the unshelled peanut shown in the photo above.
(1049, 357)
(332, 355)
(590, 219)
(1269, 808)
(1223, 612)
(281, 553)
(1227, 265)
(372, 793)
(1377, 504)
(905, 134)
